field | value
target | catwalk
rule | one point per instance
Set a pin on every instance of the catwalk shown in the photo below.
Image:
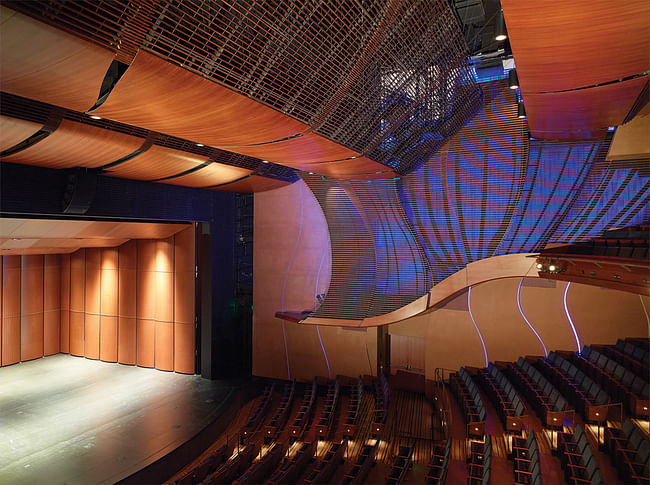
(70, 420)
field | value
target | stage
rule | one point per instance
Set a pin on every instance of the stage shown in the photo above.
(67, 419)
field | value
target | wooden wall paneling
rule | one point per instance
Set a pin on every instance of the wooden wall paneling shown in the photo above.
(0, 311)
(10, 310)
(77, 297)
(147, 95)
(15, 130)
(146, 302)
(581, 114)
(212, 174)
(31, 307)
(184, 294)
(91, 308)
(108, 319)
(254, 183)
(65, 304)
(53, 66)
(52, 304)
(164, 308)
(568, 45)
(632, 140)
(77, 145)
(157, 162)
(127, 288)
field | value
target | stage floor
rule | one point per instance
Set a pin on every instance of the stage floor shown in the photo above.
(67, 419)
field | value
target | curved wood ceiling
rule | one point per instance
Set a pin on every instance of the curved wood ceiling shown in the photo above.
(212, 174)
(156, 163)
(15, 130)
(44, 63)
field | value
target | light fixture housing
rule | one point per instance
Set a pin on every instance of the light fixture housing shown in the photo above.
(521, 110)
(500, 31)
(513, 80)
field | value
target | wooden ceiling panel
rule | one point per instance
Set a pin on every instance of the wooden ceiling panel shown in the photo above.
(157, 162)
(581, 114)
(213, 174)
(254, 183)
(148, 95)
(74, 144)
(358, 169)
(560, 45)
(47, 64)
(14, 130)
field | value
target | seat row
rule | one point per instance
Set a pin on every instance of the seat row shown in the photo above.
(258, 471)
(400, 466)
(437, 470)
(205, 467)
(300, 422)
(291, 469)
(259, 411)
(504, 397)
(584, 394)
(629, 355)
(360, 470)
(326, 418)
(470, 402)
(354, 405)
(480, 462)
(281, 414)
(628, 451)
(381, 405)
(578, 460)
(322, 472)
(525, 454)
(546, 400)
(234, 467)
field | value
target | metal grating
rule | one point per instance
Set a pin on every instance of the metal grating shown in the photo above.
(387, 79)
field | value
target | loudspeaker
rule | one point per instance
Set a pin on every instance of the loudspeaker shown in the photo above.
(79, 191)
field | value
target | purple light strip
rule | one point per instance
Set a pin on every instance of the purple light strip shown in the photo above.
(469, 308)
(329, 372)
(566, 310)
(526, 320)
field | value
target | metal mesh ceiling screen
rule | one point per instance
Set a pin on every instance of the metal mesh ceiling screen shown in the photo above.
(388, 79)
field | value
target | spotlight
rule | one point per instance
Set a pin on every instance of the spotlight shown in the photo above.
(540, 265)
(552, 268)
(95, 117)
(513, 80)
(265, 161)
(500, 32)
(521, 111)
(200, 145)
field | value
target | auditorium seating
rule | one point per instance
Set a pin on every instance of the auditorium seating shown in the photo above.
(437, 470)
(206, 466)
(629, 451)
(325, 468)
(470, 402)
(281, 415)
(548, 403)
(577, 458)
(381, 405)
(400, 466)
(359, 471)
(525, 455)
(259, 411)
(584, 394)
(258, 471)
(504, 398)
(300, 422)
(326, 419)
(628, 355)
(354, 404)
(234, 467)
(293, 468)
(620, 383)
(480, 462)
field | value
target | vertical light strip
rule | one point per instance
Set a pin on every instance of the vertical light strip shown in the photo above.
(566, 310)
(286, 276)
(320, 265)
(469, 309)
(526, 320)
(644, 310)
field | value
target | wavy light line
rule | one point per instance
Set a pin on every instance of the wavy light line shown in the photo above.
(573, 327)
(644, 310)
(284, 284)
(329, 372)
(469, 308)
(526, 320)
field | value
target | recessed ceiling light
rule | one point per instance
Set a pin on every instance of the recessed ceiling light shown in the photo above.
(200, 145)
(265, 161)
(95, 117)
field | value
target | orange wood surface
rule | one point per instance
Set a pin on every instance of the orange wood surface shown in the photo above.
(127, 303)
(164, 257)
(581, 114)
(108, 320)
(47, 64)
(77, 291)
(254, 183)
(0, 311)
(213, 174)
(184, 348)
(157, 162)
(164, 297)
(184, 262)
(164, 346)
(108, 338)
(10, 310)
(148, 95)
(145, 342)
(74, 144)
(31, 307)
(561, 45)
(65, 304)
(14, 130)
(358, 169)
(52, 305)
(126, 346)
(91, 308)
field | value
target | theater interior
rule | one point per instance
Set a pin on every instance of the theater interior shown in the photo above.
(335, 242)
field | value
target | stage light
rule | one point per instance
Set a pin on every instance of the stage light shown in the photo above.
(521, 110)
(95, 117)
(552, 268)
(265, 161)
(200, 145)
(513, 80)
(500, 32)
(540, 265)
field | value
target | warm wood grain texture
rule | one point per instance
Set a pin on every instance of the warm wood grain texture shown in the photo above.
(77, 291)
(632, 140)
(0, 311)
(254, 183)
(157, 162)
(77, 145)
(91, 308)
(184, 294)
(184, 348)
(164, 346)
(561, 45)
(358, 169)
(145, 342)
(148, 95)
(108, 320)
(51, 304)
(65, 304)
(581, 114)
(14, 130)
(213, 174)
(10, 310)
(127, 303)
(48, 64)
(31, 307)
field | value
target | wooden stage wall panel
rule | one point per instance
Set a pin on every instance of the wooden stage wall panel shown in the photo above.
(77, 285)
(31, 307)
(65, 304)
(91, 306)
(51, 304)
(108, 305)
(126, 303)
(184, 275)
(10, 310)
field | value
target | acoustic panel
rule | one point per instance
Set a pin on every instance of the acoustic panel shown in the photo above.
(65, 303)
(10, 309)
(157, 162)
(31, 307)
(51, 304)
(15, 130)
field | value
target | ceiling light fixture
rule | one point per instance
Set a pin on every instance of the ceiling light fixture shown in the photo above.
(200, 145)
(521, 110)
(95, 117)
(500, 32)
(513, 80)
(265, 161)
